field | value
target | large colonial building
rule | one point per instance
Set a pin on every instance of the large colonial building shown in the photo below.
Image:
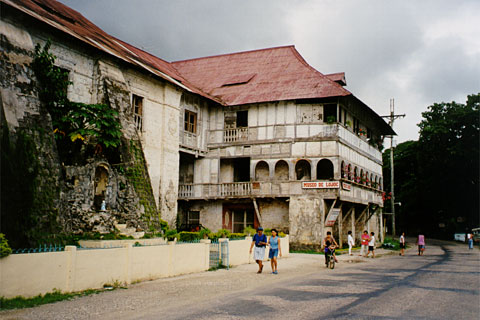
(244, 139)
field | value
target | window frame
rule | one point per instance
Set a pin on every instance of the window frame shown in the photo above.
(189, 126)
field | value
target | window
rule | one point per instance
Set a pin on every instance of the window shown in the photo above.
(137, 108)
(242, 119)
(242, 219)
(193, 218)
(190, 122)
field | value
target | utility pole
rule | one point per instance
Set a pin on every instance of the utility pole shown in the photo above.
(392, 117)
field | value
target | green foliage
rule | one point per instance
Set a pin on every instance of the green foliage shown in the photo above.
(22, 302)
(234, 236)
(223, 233)
(205, 233)
(171, 234)
(331, 119)
(96, 124)
(5, 249)
(437, 177)
(391, 244)
(187, 236)
(249, 231)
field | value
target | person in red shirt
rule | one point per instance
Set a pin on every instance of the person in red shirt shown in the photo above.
(365, 239)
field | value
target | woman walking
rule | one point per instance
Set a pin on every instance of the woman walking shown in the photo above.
(275, 250)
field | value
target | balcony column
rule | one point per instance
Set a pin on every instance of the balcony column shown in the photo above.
(291, 171)
(313, 169)
(271, 169)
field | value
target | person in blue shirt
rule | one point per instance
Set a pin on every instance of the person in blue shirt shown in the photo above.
(260, 242)
(275, 250)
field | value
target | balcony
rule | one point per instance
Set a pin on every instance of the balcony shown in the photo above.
(351, 192)
(188, 140)
(284, 132)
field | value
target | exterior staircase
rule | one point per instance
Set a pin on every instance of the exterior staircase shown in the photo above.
(124, 231)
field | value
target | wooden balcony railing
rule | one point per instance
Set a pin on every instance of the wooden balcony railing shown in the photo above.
(235, 135)
(188, 139)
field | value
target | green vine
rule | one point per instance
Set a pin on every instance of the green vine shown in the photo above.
(95, 124)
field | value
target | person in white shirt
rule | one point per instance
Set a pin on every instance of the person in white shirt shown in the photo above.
(402, 244)
(371, 245)
(351, 243)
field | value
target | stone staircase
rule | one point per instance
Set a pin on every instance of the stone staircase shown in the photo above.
(124, 231)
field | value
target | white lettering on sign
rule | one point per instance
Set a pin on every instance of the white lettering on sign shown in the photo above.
(321, 185)
(346, 186)
(332, 217)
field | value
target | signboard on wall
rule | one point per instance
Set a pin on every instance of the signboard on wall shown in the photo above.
(332, 217)
(321, 185)
(346, 186)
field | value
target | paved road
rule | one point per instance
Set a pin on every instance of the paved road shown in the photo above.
(442, 284)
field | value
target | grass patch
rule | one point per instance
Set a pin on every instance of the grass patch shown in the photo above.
(217, 267)
(50, 297)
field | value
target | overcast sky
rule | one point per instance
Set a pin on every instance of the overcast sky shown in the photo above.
(417, 52)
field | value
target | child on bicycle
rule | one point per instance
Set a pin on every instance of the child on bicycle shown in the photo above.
(329, 245)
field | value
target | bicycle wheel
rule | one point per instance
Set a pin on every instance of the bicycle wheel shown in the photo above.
(332, 262)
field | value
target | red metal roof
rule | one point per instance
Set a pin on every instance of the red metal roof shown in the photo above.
(279, 74)
(73, 23)
(338, 77)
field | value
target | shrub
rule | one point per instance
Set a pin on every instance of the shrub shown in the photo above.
(189, 236)
(223, 233)
(234, 236)
(281, 234)
(205, 233)
(249, 231)
(171, 234)
(5, 249)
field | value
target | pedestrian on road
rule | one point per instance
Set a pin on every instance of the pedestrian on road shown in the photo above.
(371, 245)
(260, 241)
(402, 244)
(365, 238)
(470, 240)
(351, 242)
(275, 250)
(421, 244)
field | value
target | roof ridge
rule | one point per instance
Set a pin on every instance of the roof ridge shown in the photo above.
(304, 62)
(235, 53)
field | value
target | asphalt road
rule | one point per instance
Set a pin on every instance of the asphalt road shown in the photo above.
(442, 284)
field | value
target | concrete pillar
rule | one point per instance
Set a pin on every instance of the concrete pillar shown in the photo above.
(71, 266)
(128, 263)
(352, 223)
(340, 228)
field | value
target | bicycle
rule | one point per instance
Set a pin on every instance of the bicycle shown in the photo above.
(330, 258)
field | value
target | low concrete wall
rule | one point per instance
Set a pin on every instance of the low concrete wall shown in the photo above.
(74, 270)
(120, 243)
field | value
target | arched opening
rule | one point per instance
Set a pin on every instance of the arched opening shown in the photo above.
(325, 169)
(356, 178)
(281, 170)
(262, 171)
(302, 170)
(101, 183)
(380, 185)
(349, 172)
(371, 180)
(344, 170)
(362, 177)
(375, 185)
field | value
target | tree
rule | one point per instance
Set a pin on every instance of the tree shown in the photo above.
(437, 177)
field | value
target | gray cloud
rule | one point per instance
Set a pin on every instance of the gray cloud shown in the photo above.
(417, 52)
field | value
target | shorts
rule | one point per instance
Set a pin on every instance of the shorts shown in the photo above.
(421, 246)
(259, 253)
(402, 245)
(273, 253)
(371, 248)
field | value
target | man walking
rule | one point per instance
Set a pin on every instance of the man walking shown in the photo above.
(260, 241)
